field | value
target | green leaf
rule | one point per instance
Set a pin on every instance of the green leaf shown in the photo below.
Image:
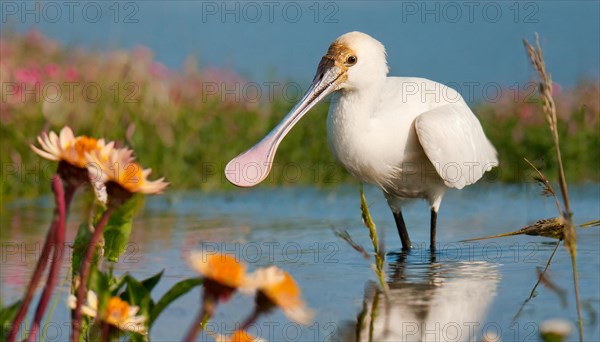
(117, 285)
(178, 290)
(134, 337)
(82, 240)
(150, 282)
(116, 238)
(7, 315)
(135, 293)
(118, 229)
(99, 283)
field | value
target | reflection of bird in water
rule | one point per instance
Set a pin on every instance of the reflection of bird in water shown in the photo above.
(428, 302)
(412, 137)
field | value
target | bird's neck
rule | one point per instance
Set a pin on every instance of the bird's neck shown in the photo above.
(351, 125)
(357, 105)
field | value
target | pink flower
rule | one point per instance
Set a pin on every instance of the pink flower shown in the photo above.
(226, 76)
(34, 36)
(142, 53)
(40, 42)
(30, 76)
(51, 70)
(159, 70)
(71, 74)
(525, 112)
(556, 89)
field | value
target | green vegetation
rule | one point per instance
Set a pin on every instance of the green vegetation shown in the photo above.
(183, 125)
(516, 126)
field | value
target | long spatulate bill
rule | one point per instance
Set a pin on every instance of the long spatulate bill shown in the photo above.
(253, 166)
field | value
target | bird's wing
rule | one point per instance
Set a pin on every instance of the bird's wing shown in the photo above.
(454, 142)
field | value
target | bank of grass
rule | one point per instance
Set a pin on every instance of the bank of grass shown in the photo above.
(515, 125)
(182, 125)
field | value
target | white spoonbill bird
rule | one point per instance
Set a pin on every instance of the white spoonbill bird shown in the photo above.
(412, 137)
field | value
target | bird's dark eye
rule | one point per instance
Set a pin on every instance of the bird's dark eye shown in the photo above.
(351, 60)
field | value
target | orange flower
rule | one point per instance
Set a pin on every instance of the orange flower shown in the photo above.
(277, 288)
(70, 152)
(222, 274)
(121, 174)
(118, 313)
(238, 336)
(123, 316)
(67, 147)
(220, 268)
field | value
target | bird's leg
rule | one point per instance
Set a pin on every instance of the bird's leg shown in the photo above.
(406, 245)
(432, 229)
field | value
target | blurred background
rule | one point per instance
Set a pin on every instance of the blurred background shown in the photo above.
(275, 41)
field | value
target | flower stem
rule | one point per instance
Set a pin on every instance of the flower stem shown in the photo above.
(84, 271)
(37, 274)
(58, 242)
(252, 318)
(208, 308)
(42, 262)
(69, 193)
(105, 331)
(196, 327)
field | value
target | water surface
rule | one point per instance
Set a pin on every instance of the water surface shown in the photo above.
(469, 288)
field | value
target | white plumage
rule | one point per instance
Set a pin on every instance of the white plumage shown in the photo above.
(412, 137)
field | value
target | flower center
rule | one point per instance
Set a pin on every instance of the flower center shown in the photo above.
(131, 177)
(241, 336)
(225, 269)
(285, 293)
(117, 309)
(82, 145)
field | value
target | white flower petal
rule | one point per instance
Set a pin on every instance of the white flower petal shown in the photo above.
(53, 140)
(66, 135)
(72, 301)
(44, 154)
(92, 300)
(299, 314)
(134, 310)
(86, 309)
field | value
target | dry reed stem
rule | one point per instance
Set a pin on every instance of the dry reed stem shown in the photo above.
(532, 293)
(546, 184)
(549, 107)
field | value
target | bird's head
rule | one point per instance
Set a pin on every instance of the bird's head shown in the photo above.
(353, 61)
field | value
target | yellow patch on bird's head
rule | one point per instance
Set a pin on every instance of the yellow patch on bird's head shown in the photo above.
(340, 56)
(340, 53)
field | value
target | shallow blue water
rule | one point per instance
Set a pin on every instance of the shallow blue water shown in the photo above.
(480, 285)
